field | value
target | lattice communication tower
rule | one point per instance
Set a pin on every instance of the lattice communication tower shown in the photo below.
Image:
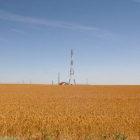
(72, 70)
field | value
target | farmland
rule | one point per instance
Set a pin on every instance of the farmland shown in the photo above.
(69, 112)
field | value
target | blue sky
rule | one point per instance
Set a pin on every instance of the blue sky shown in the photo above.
(36, 37)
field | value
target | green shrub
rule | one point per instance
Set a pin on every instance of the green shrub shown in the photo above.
(120, 136)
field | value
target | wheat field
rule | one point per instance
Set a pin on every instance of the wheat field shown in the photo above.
(53, 112)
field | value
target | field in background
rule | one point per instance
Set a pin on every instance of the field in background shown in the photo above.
(69, 112)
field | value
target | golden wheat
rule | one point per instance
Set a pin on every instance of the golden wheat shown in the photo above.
(69, 112)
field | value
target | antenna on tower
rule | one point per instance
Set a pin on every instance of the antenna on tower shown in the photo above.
(72, 69)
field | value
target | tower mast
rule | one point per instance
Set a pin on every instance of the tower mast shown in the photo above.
(72, 69)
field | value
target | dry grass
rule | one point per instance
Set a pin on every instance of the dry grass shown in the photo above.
(66, 112)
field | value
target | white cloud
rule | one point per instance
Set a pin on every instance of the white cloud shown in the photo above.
(18, 31)
(2, 39)
(136, 0)
(8, 16)
(67, 25)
